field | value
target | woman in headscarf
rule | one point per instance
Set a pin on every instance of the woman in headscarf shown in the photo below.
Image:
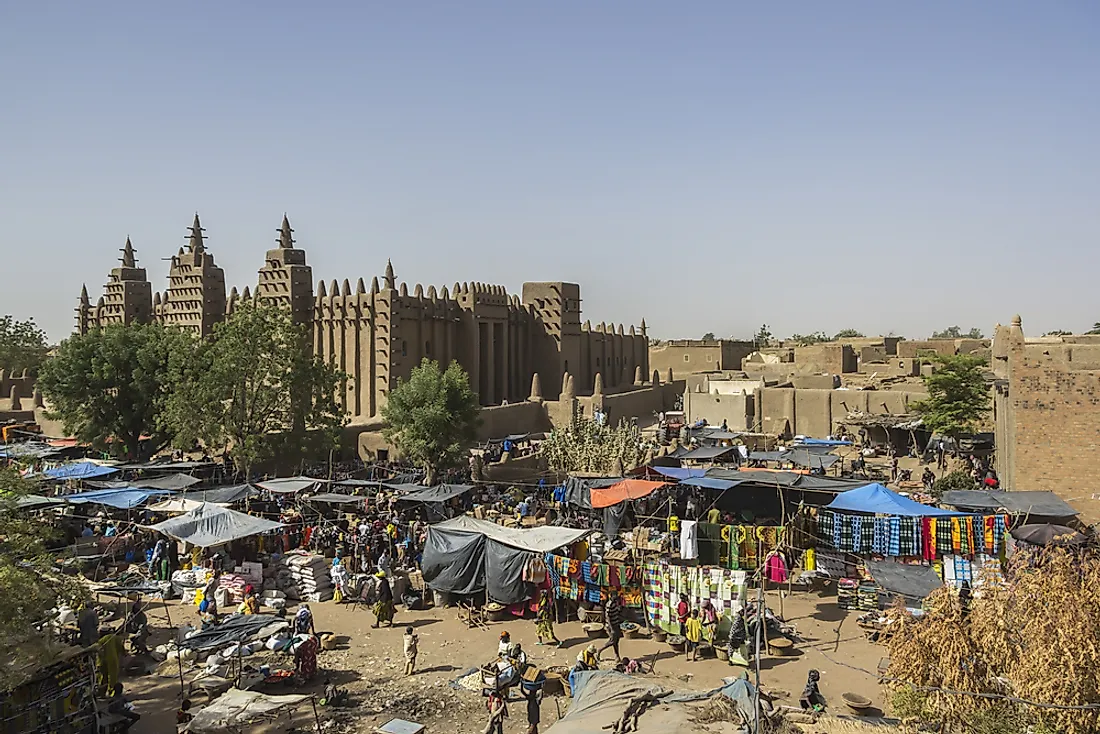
(544, 626)
(305, 658)
(383, 608)
(110, 658)
(250, 605)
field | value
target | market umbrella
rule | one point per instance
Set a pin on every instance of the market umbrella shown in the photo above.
(1048, 534)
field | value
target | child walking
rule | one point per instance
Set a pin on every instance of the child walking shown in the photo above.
(412, 641)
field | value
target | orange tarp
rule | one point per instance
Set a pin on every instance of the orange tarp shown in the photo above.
(628, 489)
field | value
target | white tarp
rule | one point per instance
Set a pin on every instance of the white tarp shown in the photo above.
(179, 505)
(209, 524)
(537, 540)
(235, 709)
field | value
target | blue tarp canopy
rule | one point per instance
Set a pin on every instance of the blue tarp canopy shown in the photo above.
(675, 472)
(124, 499)
(711, 483)
(80, 470)
(821, 442)
(878, 500)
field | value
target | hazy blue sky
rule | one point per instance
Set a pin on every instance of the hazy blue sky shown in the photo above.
(709, 165)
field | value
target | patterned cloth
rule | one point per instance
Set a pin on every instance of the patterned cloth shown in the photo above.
(856, 523)
(895, 536)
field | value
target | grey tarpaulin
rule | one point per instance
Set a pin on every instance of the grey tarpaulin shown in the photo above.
(241, 628)
(290, 485)
(1044, 504)
(912, 582)
(333, 498)
(438, 493)
(208, 525)
(578, 490)
(600, 697)
(235, 709)
(169, 481)
(454, 562)
(223, 495)
(467, 556)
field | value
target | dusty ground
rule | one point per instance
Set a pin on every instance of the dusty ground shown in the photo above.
(370, 664)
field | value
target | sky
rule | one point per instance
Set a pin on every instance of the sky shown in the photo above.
(707, 166)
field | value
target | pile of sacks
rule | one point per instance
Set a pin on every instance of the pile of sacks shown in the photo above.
(301, 577)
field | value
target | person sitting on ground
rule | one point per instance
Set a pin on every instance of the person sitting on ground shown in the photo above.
(137, 626)
(504, 644)
(303, 621)
(630, 666)
(250, 605)
(183, 714)
(811, 695)
(121, 706)
(517, 655)
(588, 659)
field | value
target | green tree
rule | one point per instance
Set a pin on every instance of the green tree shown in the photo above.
(22, 345)
(709, 336)
(958, 479)
(807, 340)
(1058, 332)
(1095, 329)
(256, 390)
(763, 336)
(29, 585)
(432, 416)
(110, 386)
(958, 396)
(954, 332)
(847, 334)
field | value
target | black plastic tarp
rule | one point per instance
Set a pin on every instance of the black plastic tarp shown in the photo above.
(912, 582)
(454, 562)
(504, 573)
(438, 493)
(235, 629)
(578, 490)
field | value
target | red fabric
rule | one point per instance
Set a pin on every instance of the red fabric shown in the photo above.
(682, 611)
(927, 541)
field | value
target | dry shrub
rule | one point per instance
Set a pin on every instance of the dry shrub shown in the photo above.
(1036, 638)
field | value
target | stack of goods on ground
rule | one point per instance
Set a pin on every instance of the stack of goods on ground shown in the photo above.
(301, 576)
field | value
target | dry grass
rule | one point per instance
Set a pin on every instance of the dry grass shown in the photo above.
(1038, 638)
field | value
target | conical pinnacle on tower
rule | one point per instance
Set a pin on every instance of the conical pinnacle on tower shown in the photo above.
(597, 387)
(286, 235)
(391, 282)
(195, 240)
(128, 260)
(84, 295)
(536, 388)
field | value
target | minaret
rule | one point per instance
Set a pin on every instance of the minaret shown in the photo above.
(85, 320)
(195, 297)
(128, 295)
(285, 279)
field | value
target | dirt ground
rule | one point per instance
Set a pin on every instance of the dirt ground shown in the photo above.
(370, 665)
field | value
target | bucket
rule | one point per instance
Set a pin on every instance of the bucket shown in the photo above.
(594, 630)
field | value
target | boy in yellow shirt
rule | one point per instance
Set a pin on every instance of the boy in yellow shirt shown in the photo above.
(694, 635)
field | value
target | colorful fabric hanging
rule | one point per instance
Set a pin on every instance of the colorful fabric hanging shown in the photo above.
(895, 536)
(881, 542)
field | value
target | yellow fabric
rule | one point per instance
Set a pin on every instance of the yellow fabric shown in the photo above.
(673, 524)
(956, 535)
(932, 534)
(714, 516)
(110, 660)
(694, 629)
(809, 560)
